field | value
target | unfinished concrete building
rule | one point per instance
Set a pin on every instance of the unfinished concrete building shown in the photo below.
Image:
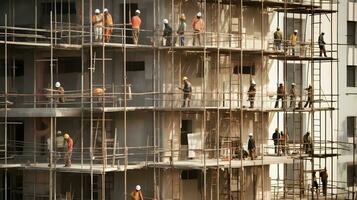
(137, 131)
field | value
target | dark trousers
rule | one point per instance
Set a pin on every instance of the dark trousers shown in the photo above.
(252, 154)
(182, 40)
(324, 187)
(322, 50)
(277, 101)
(308, 102)
(168, 40)
(251, 101)
(276, 148)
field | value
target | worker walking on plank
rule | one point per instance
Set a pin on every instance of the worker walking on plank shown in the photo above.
(135, 25)
(309, 96)
(322, 43)
(251, 94)
(187, 92)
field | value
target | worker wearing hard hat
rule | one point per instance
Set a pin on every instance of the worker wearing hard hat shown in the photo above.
(58, 91)
(251, 93)
(293, 41)
(198, 26)
(280, 94)
(187, 91)
(68, 155)
(292, 95)
(135, 25)
(97, 21)
(278, 38)
(167, 33)
(137, 194)
(251, 146)
(108, 24)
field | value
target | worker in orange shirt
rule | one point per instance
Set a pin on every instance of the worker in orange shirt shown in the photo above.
(197, 25)
(135, 25)
(97, 21)
(108, 24)
(137, 194)
(68, 155)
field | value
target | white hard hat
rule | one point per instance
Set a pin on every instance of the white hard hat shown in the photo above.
(199, 14)
(105, 10)
(184, 78)
(250, 134)
(292, 83)
(97, 11)
(165, 21)
(295, 31)
(58, 84)
(138, 187)
(137, 11)
(253, 82)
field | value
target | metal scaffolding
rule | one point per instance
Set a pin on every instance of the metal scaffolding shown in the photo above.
(224, 171)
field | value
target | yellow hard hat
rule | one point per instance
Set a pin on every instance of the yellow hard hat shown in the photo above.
(66, 136)
(184, 78)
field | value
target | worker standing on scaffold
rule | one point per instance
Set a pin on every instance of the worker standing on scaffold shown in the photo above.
(135, 25)
(108, 25)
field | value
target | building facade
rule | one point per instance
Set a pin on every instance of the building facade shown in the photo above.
(135, 121)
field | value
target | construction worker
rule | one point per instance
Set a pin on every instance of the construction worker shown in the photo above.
(198, 26)
(280, 95)
(322, 43)
(181, 29)
(135, 25)
(315, 185)
(293, 41)
(187, 91)
(251, 93)
(68, 155)
(323, 177)
(292, 95)
(108, 24)
(58, 91)
(282, 142)
(167, 32)
(276, 137)
(251, 146)
(309, 96)
(307, 143)
(278, 37)
(60, 144)
(48, 141)
(97, 21)
(137, 194)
